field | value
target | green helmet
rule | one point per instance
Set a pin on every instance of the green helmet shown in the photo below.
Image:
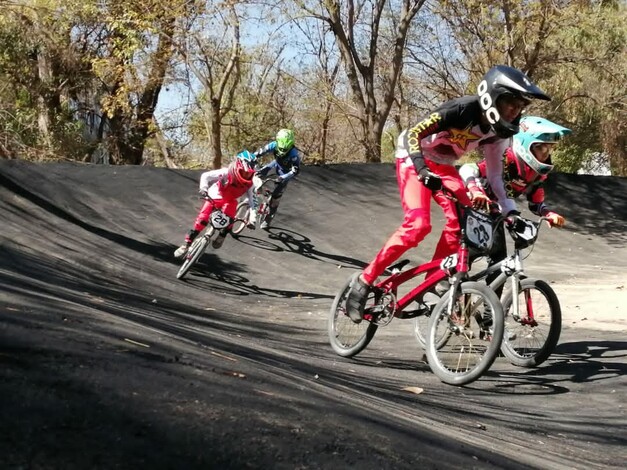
(284, 141)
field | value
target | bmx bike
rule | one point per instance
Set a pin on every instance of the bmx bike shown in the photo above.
(465, 326)
(218, 221)
(263, 193)
(533, 316)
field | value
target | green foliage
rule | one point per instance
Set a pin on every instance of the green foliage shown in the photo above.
(61, 56)
(572, 158)
(574, 50)
(388, 145)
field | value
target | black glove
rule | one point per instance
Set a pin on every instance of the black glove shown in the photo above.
(512, 217)
(203, 194)
(515, 222)
(430, 180)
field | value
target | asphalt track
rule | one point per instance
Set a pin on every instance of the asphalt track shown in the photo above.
(107, 361)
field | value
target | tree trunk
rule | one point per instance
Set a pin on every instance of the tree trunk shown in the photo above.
(150, 96)
(372, 112)
(43, 112)
(216, 134)
(165, 151)
(373, 131)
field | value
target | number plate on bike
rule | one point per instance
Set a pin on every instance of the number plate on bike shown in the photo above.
(478, 230)
(219, 219)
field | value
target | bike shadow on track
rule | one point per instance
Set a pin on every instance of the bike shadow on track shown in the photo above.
(212, 273)
(294, 242)
(586, 361)
(573, 362)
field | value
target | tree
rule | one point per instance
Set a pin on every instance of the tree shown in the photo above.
(41, 71)
(133, 58)
(86, 58)
(216, 66)
(371, 37)
(573, 49)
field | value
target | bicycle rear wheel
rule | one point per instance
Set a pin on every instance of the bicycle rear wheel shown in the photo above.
(474, 329)
(194, 253)
(531, 335)
(348, 338)
(241, 218)
(421, 331)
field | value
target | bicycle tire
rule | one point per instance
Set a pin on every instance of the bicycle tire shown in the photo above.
(347, 338)
(266, 212)
(194, 253)
(261, 213)
(526, 344)
(241, 218)
(421, 331)
(470, 339)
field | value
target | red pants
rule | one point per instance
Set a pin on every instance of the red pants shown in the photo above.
(416, 201)
(228, 206)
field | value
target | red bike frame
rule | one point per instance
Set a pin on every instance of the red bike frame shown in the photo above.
(391, 283)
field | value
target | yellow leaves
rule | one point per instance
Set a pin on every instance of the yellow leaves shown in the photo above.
(131, 23)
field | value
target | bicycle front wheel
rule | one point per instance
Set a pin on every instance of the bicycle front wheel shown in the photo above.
(193, 254)
(348, 338)
(264, 211)
(532, 333)
(241, 218)
(474, 331)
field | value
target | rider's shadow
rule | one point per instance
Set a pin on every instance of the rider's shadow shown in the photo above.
(297, 243)
(575, 362)
(212, 273)
(588, 361)
(258, 243)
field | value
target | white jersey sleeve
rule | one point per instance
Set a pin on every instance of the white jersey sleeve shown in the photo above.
(494, 154)
(210, 177)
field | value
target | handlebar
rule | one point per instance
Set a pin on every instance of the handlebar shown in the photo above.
(206, 197)
(493, 208)
(264, 182)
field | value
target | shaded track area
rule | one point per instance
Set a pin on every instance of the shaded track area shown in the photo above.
(107, 361)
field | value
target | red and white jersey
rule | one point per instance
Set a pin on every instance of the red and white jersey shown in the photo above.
(218, 186)
(518, 178)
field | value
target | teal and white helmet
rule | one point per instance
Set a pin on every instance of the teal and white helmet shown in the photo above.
(536, 130)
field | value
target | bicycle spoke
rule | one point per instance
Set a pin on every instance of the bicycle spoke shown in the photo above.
(532, 333)
(473, 332)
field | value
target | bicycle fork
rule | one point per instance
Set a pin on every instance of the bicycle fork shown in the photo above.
(461, 272)
(518, 269)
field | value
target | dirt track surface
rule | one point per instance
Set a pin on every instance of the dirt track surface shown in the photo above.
(107, 361)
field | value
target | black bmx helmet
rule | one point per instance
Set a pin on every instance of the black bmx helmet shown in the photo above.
(501, 81)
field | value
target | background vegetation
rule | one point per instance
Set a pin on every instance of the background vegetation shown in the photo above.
(194, 81)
